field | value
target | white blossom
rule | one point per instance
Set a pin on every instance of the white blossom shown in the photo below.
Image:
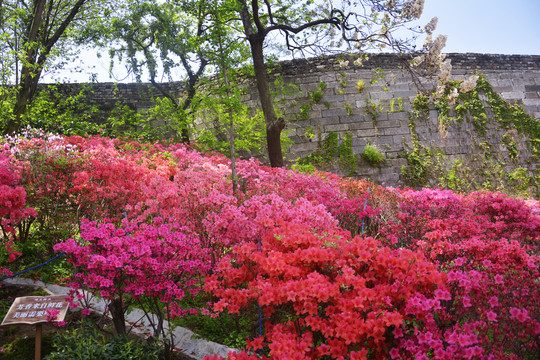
(469, 84)
(418, 60)
(343, 64)
(428, 41)
(452, 96)
(446, 71)
(440, 91)
(418, 7)
(358, 62)
(430, 27)
(413, 9)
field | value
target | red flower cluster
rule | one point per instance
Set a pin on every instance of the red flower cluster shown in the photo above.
(340, 269)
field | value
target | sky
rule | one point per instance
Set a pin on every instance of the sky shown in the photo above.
(472, 26)
(487, 26)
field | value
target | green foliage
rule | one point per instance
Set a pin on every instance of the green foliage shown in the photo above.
(250, 131)
(511, 116)
(378, 75)
(227, 329)
(349, 109)
(304, 112)
(420, 110)
(283, 90)
(303, 168)
(419, 164)
(343, 80)
(372, 109)
(511, 146)
(56, 112)
(521, 180)
(38, 37)
(373, 155)
(316, 96)
(488, 171)
(360, 86)
(89, 343)
(347, 159)
(453, 179)
(328, 152)
(23, 348)
(330, 147)
(309, 133)
(399, 105)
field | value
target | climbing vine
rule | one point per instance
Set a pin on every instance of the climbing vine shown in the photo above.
(483, 108)
(331, 153)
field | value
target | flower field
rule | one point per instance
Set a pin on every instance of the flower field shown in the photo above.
(338, 269)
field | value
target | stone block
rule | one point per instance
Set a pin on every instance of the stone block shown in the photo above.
(381, 95)
(359, 143)
(401, 116)
(512, 95)
(532, 102)
(362, 125)
(336, 100)
(382, 124)
(336, 128)
(334, 112)
(351, 119)
(395, 131)
(366, 133)
(325, 121)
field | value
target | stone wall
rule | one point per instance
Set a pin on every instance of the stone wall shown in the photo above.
(342, 108)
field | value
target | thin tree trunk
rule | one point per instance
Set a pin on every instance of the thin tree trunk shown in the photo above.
(117, 312)
(35, 58)
(28, 79)
(274, 125)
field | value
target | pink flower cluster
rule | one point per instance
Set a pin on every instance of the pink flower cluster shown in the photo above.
(341, 269)
(13, 208)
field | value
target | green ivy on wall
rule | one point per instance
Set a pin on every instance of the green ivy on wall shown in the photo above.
(483, 108)
(330, 153)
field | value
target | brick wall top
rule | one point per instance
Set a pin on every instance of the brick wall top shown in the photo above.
(468, 61)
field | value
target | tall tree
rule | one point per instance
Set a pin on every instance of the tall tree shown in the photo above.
(314, 25)
(34, 33)
(175, 40)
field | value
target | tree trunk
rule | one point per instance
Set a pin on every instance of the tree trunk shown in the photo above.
(117, 313)
(24, 94)
(274, 126)
(29, 79)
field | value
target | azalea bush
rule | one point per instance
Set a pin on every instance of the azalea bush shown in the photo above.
(13, 210)
(338, 269)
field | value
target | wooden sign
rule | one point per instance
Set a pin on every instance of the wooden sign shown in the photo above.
(33, 309)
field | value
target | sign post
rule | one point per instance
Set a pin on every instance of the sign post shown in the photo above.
(37, 354)
(36, 310)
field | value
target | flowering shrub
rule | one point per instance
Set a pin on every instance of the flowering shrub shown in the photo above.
(323, 294)
(340, 268)
(12, 208)
(144, 263)
(488, 245)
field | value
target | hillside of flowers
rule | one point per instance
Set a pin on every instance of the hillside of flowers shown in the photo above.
(338, 269)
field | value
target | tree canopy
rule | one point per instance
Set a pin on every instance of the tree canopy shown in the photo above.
(36, 35)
